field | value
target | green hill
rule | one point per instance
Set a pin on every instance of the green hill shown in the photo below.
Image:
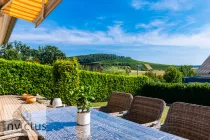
(114, 60)
(133, 63)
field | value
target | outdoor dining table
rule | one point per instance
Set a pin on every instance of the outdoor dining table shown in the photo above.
(60, 124)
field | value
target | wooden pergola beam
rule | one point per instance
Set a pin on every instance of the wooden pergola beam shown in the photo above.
(49, 7)
(7, 24)
(34, 11)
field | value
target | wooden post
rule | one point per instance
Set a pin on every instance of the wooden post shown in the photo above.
(43, 9)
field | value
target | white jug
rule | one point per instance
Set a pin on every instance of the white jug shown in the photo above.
(57, 102)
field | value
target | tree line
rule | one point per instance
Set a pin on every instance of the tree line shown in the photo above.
(49, 54)
(173, 74)
(98, 57)
(19, 51)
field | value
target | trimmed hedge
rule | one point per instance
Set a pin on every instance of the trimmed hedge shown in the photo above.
(18, 77)
(66, 79)
(190, 93)
(104, 84)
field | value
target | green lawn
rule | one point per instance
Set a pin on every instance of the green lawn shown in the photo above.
(105, 103)
(164, 114)
(98, 104)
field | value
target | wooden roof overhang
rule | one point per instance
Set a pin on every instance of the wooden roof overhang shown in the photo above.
(31, 10)
(7, 24)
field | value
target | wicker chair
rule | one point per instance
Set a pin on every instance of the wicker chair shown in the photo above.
(118, 102)
(12, 130)
(188, 121)
(146, 111)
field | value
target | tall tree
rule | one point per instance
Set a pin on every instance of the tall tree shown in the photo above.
(18, 51)
(173, 75)
(9, 52)
(187, 71)
(49, 54)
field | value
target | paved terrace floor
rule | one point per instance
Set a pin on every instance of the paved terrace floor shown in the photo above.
(11, 108)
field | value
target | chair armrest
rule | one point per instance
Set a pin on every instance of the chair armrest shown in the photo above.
(163, 127)
(10, 132)
(119, 114)
(154, 124)
(14, 136)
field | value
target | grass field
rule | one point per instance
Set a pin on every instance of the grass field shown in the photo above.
(158, 72)
(105, 103)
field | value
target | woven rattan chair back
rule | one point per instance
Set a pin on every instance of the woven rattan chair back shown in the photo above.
(119, 101)
(144, 110)
(188, 121)
(12, 130)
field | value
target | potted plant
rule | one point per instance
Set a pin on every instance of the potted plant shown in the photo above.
(83, 96)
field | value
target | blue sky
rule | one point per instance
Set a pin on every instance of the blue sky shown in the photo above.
(161, 31)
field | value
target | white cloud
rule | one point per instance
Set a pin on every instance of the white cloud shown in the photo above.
(101, 18)
(114, 35)
(189, 21)
(138, 4)
(155, 24)
(174, 5)
(118, 22)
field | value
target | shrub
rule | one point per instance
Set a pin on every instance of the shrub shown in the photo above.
(104, 84)
(126, 68)
(187, 70)
(154, 76)
(173, 75)
(160, 79)
(114, 70)
(151, 75)
(190, 93)
(18, 77)
(66, 79)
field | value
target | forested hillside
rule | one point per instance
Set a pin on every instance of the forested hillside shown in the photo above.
(98, 57)
(115, 60)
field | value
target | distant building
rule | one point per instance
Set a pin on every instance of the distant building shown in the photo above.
(204, 69)
(196, 80)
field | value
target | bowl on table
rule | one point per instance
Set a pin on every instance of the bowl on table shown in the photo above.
(24, 96)
(31, 99)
